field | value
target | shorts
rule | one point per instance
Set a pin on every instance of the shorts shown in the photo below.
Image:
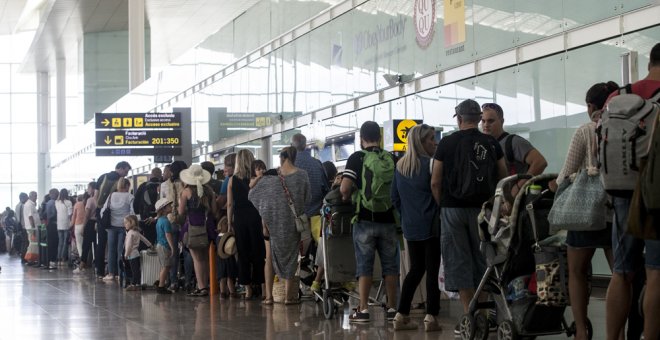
(164, 255)
(459, 240)
(629, 250)
(590, 239)
(369, 237)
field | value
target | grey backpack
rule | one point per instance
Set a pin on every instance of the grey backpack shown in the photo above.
(624, 138)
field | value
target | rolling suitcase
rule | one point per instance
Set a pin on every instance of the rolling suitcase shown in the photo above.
(150, 267)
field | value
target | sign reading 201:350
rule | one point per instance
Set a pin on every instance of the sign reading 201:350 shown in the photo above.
(120, 134)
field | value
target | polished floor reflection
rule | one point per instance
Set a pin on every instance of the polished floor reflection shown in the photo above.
(40, 304)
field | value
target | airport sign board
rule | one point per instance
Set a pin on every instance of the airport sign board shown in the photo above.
(138, 134)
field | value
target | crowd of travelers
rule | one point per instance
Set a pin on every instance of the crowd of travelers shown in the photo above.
(259, 219)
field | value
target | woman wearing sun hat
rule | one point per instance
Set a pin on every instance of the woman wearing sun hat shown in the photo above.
(197, 204)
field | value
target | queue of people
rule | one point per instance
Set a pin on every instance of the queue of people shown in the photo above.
(434, 192)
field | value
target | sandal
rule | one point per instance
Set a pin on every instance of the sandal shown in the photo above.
(267, 302)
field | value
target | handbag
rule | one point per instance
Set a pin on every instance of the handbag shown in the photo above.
(302, 221)
(196, 237)
(642, 223)
(105, 217)
(582, 205)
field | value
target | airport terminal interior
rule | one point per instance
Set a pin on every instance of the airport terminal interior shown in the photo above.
(85, 84)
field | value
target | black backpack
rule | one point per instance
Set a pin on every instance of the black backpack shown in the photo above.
(149, 197)
(474, 176)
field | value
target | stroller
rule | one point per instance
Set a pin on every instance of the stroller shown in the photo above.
(527, 272)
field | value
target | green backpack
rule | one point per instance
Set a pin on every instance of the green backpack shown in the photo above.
(377, 175)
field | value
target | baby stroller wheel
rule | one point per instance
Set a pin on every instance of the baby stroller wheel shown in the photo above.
(506, 331)
(466, 327)
(328, 304)
(480, 327)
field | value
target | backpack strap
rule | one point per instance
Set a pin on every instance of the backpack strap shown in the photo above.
(508, 148)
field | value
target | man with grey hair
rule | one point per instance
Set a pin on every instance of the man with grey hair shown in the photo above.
(319, 184)
(460, 196)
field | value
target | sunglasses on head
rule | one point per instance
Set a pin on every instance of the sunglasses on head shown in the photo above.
(492, 106)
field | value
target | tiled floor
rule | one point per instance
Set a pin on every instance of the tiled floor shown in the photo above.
(39, 304)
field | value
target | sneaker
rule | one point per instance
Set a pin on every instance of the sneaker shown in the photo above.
(402, 322)
(431, 323)
(457, 330)
(390, 313)
(358, 316)
(77, 271)
(163, 290)
(53, 265)
(316, 286)
(109, 277)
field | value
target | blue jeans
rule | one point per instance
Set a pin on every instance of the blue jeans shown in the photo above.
(174, 265)
(116, 236)
(63, 236)
(628, 250)
(369, 237)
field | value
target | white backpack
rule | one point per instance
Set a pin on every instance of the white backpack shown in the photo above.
(624, 138)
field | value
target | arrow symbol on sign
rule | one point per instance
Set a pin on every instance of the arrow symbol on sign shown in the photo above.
(105, 122)
(107, 140)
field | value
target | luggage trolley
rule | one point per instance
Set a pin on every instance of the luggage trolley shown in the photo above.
(339, 258)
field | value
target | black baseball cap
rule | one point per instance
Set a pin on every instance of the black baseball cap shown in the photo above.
(468, 107)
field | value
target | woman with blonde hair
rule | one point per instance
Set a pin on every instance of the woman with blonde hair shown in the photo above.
(244, 220)
(120, 204)
(412, 197)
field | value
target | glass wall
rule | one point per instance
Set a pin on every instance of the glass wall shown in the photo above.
(18, 134)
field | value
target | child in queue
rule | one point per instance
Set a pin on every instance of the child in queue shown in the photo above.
(131, 253)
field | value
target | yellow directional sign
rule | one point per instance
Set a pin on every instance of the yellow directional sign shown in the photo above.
(107, 140)
(402, 127)
(138, 122)
(116, 122)
(127, 122)
(119, 140)
(105, 122)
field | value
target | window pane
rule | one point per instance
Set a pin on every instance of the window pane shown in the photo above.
(22, 82)
(4, 107)
(24, 168)
(4, 78)
(23, 108)
(4, 139)
(23, 138)
(5, 169)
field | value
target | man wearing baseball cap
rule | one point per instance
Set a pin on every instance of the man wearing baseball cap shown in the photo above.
(467, 165)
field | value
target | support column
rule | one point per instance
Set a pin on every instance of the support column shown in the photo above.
(43, 135)
(135, 43)
(60, 92)
(266, 152)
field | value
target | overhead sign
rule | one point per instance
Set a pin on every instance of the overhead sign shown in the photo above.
(139, 138)
(138, 120)
(138, 134)
(400, 133)
(176, 151)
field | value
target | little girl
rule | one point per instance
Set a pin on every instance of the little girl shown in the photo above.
(131, 253)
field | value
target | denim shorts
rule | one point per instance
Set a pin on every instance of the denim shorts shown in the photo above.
(459, 238)
(164, 255)
(628, 250)
(369, 237)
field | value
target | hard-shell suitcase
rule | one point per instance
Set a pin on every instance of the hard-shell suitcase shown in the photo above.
(150, 267)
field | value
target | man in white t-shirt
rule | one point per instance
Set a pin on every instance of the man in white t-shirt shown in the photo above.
(30, 212)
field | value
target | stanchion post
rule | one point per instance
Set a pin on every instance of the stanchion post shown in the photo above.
(213, 279)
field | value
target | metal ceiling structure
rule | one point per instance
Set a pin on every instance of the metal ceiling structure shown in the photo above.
(175, 26)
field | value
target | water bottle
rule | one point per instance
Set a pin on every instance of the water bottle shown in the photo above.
(534, 189)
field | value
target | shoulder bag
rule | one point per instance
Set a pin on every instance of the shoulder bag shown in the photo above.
(105, 217)
(582, 205)
(196, 236)
(302, 221)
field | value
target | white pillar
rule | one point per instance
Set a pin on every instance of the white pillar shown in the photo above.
(43, 135)
(135, 43)
(60, 92)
